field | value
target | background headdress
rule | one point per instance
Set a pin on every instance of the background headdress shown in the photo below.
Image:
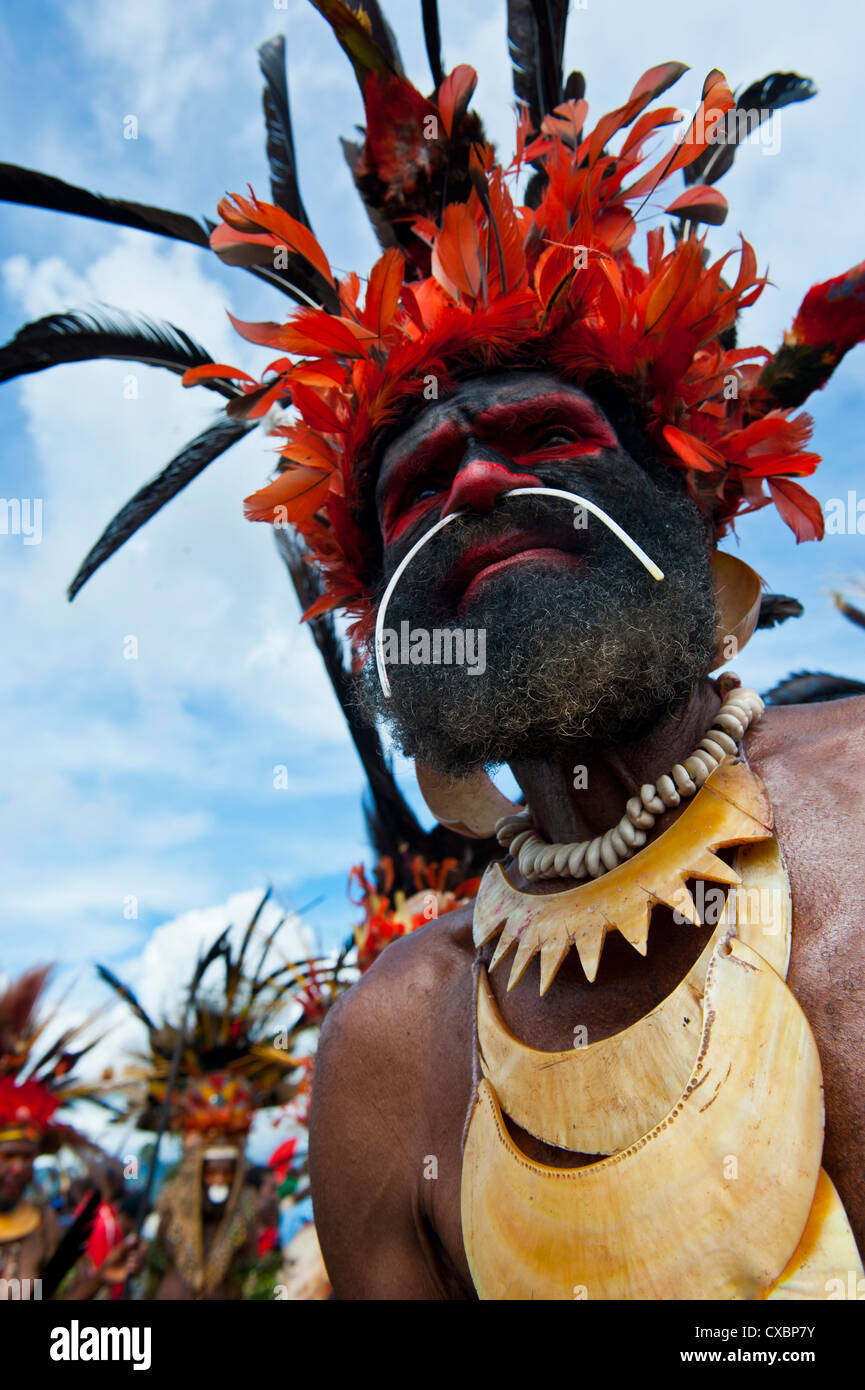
(37, 1078)
(225, 1062)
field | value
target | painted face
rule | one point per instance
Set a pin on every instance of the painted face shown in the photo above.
(16, 1172)
(579, 642)
(460, 452)
(217, 1178)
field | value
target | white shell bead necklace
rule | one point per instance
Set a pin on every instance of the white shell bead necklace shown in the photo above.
(591, 858)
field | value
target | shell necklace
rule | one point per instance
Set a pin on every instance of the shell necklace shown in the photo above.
(592, 858)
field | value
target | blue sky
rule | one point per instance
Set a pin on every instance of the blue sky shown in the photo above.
(153, 779)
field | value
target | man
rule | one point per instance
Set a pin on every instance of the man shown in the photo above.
(510, 458)
(524, 440)
(32, 1090)
(573, 651)
(28, 1232)
(207, 1085)
(206, 1245)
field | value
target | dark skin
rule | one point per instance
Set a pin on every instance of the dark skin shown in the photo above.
(393, 1084)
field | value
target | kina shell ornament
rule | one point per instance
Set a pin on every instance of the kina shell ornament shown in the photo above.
(730, 808)
(600, 1098)
(664, 1219)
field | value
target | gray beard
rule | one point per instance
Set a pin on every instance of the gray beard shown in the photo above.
(598, 657)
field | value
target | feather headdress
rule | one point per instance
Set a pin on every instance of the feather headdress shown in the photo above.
(469, 279)
(219, 1063)
(36, 1081)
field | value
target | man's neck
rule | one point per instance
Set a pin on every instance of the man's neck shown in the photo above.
(582, 792)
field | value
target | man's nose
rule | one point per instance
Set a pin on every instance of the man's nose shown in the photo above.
(481, 479)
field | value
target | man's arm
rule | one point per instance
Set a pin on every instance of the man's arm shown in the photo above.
(363, 1146)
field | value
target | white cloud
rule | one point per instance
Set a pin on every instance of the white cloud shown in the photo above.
(159, 978)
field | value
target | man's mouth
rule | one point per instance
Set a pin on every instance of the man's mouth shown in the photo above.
(484, 561)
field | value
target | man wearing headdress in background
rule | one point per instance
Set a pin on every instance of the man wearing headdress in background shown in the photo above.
(35, 1082)
(206, 1245)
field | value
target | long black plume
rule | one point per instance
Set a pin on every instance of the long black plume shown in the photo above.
(433, 40)
(104, 332)
(153, 496)
(284, 185)
(33, 189)
(125, 993)
(37, 190)
(536, 40)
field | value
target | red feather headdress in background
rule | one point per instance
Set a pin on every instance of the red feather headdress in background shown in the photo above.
(484, 282)
(34, 1083)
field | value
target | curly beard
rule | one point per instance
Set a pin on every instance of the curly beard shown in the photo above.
(598, 654)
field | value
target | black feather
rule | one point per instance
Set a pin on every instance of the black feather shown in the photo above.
(777, 608)
(536, 41)
(575, 87)
(125, 993)
(85, 336)
(433, 39)
(775, 90)
(153, 496)
(71, 1247)
(755, 104)
(33, 189)
(280, 140)
(813, 687)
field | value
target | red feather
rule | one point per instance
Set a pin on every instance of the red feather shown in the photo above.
(454, 95)
(802, 512)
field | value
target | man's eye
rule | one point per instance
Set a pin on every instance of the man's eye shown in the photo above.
(427, 492)
(556, 437)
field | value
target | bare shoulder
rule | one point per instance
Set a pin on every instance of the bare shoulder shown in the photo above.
(374, 1056)
(789, 731)
(812, 760)
(398, 998)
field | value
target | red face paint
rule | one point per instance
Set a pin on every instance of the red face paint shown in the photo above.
(479, 484)
(430, 475)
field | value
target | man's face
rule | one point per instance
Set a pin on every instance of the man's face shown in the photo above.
(16, 1172)
(217, 1179)
(579, 642)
